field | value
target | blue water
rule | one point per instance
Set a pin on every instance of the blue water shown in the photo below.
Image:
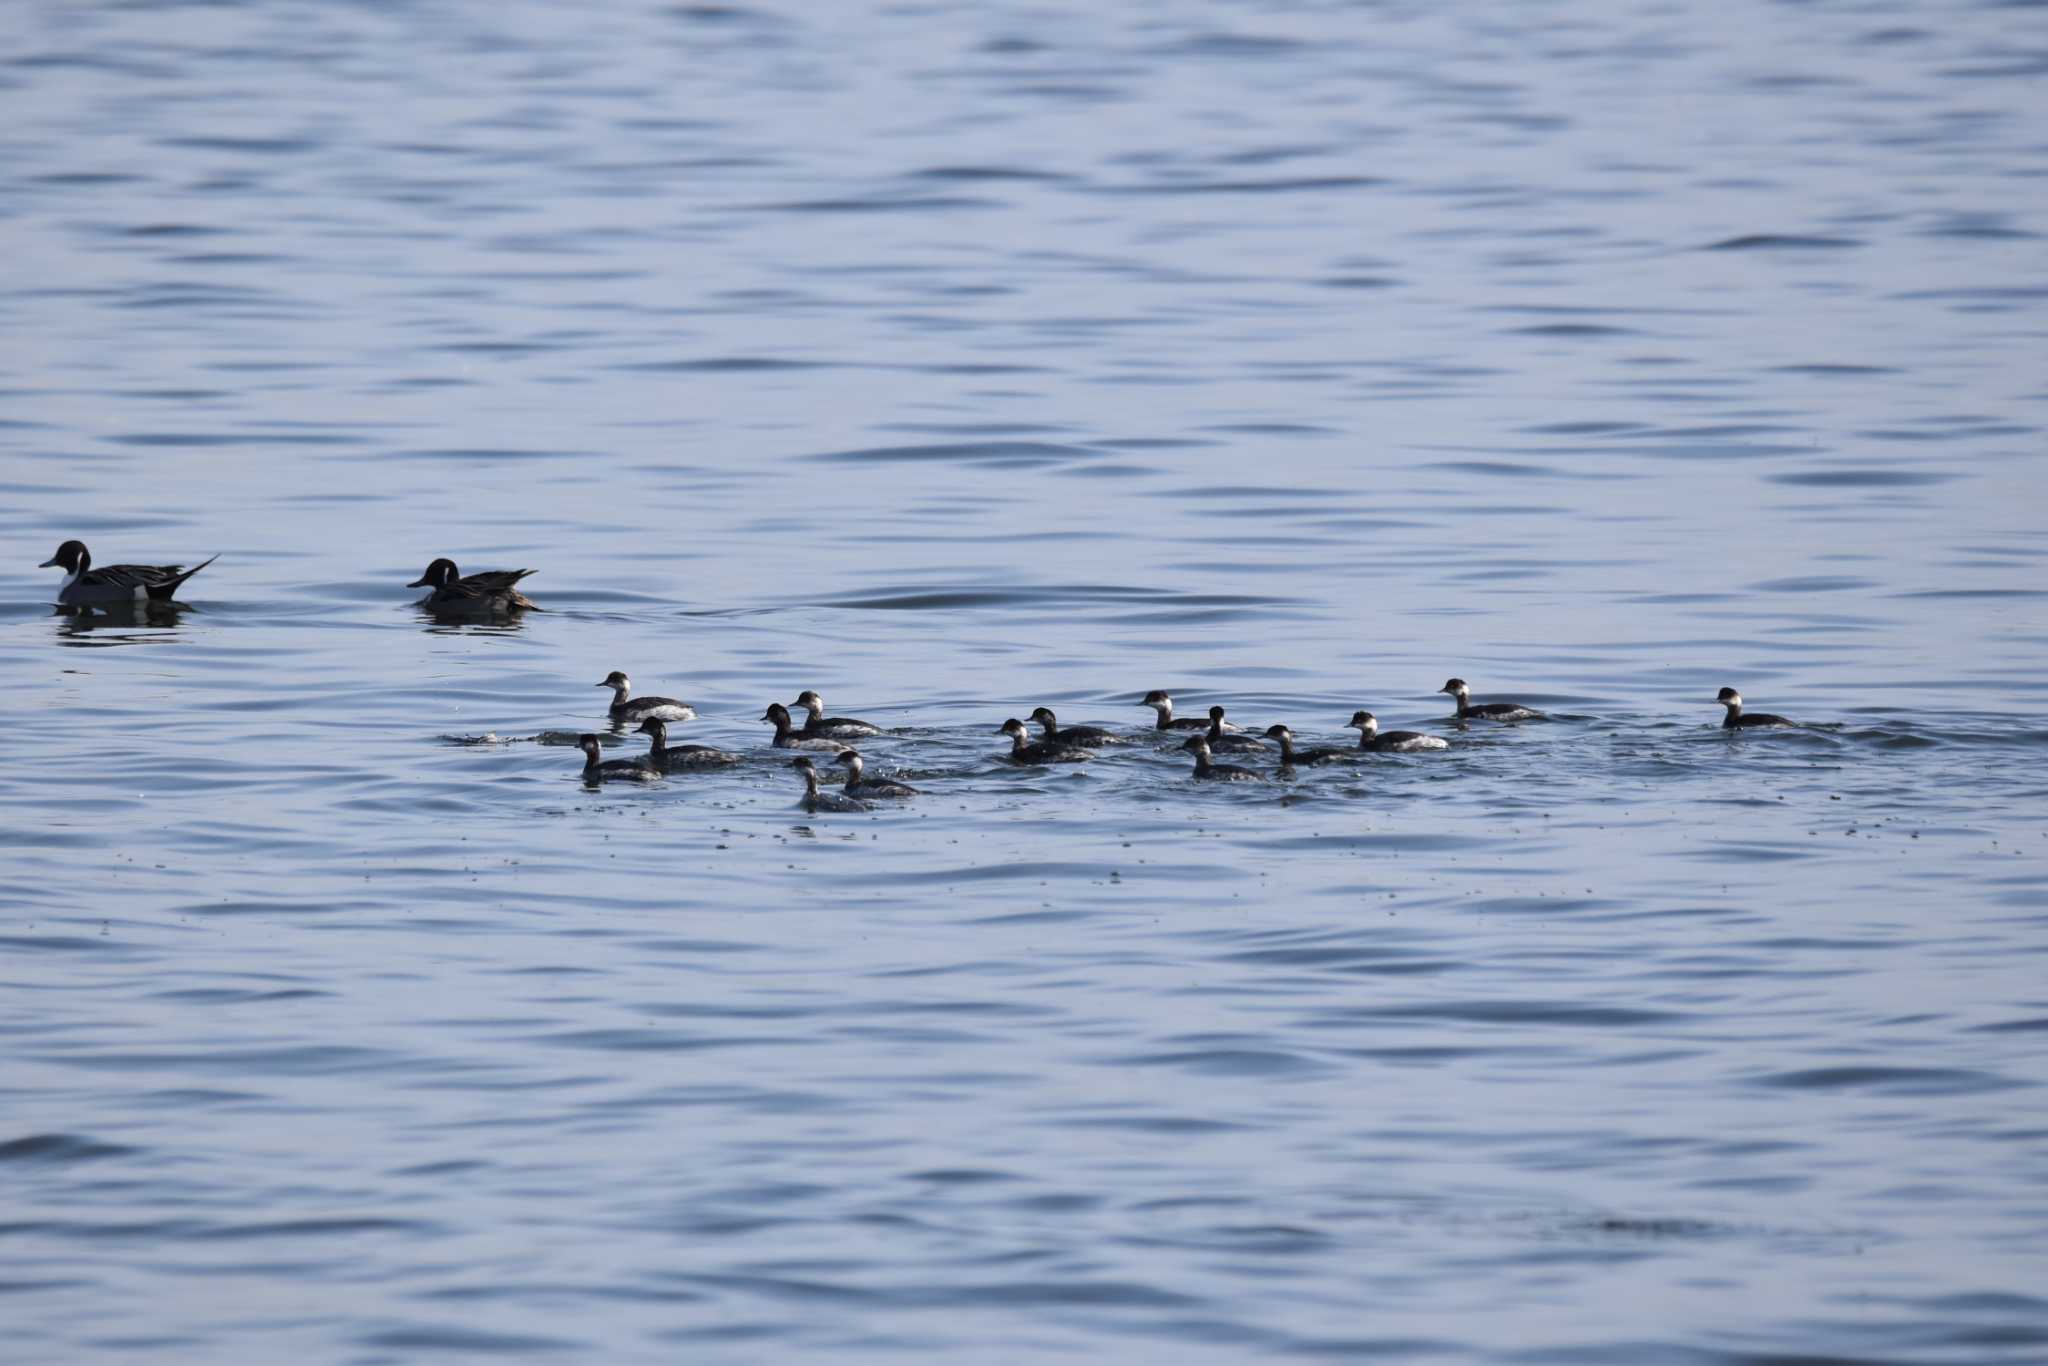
(954, 360)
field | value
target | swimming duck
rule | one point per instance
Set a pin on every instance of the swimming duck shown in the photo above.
(817, 723)
(1040, 751)
(816, 800)
(1491, 711)
(626, 707)
(481, 594)
(663, 755)
(1162, 704)
(787, 737)
(1221, 741)
(1073, 735)
(1394, 741)
(1217, 773)
(116, 583)
(1290, 757)
(857, 786)
(611, 770)
(1738, 719)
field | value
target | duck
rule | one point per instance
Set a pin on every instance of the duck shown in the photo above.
(1290, 757)
(611, 770)
(1162, 705)
(1024, 751)
(1394, 741)
(482, 594)
(857, 786)
(788, 737)
(626, 707)
(115, 584)
(816, 800)
(817, 723)
(1738, 719)
(1073, 735)
(1217, 773)
(1221, 741)
(1491, 711)
(663, 755)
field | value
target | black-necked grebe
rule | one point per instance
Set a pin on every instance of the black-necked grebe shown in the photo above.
(1025, 751)
(787, 736)
(116, 584)
(817, 723)
(1491, 711)
(857, 786)
(1214, 772)
(1222, 741)
(1073, 735)
(816, 799)
(664, 755)
(1738, 719)
(611, 770)
(1162, 704)
(626, 707)
(1394, 741)
(1290, 757)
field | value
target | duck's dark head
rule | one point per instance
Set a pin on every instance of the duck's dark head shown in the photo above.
(656, 727)
(1156, 699)
(1455, 687)
(810, 700)
(439, 574)
(848, 759)
(1044, 717)
(1198, 744)
(615, 680)
(1012, 727)
(1363, 720)
(1279, 732)
(777, 713)
(1729, 698)
(588, 744)
(1216, 715)
(72, 557)
(804, 766)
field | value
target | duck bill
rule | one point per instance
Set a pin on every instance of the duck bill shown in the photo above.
(50, 563)
(418, 583)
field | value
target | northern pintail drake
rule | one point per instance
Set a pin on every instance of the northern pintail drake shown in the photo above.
(1291, 757)
(117, 583)
(1223, 741)
(626, 707)
(483, 594)
(817, 723)
(664, 755)
(1394, 741)
(1738, 719)
(787, 736)
(1491, 711)
(1214, 772)
(611, 770)
(1073, 735)
(1162, 704)
(857, 786)
(1023, 751)
(816, 800)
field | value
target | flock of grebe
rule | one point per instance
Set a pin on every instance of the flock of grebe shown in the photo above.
(494, 593)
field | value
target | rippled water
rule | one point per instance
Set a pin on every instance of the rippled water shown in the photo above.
(953, 360)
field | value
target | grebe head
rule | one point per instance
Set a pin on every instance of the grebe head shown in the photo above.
(615, 680)
(1455, 687)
